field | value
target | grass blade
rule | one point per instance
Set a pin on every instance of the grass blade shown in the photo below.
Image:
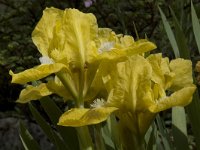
(194, 108)
(170, 34)
(164, 134)
(27, 140)
(196, 26)
(178, 113)
(179, 128)
(180, 38)
(193, 111)
(151, 144)
(60, 145)
(69, 134)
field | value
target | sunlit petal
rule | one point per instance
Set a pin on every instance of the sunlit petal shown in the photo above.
(181, 97)
(37, 73)
(77, 117)
(137, 47)
(183, 73)
(161, 73)
(43, 33)
(59, 89)
(33, 93)
(132, 88)
(78, 30)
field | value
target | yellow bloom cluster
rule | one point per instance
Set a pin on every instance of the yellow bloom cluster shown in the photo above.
(90, 62)
(73, 47)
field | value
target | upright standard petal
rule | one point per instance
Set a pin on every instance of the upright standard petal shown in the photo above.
(78, 30)
(42, 35)
(64, 35)
(183, 73)
(132, 87)
(161, 74)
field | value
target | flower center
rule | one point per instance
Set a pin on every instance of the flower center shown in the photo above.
(97, 103)
(105, 47)
(46, 60)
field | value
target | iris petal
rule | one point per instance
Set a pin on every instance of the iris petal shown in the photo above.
(33, 93)
(42, 35)
(183, 73)
(77, 117)
(181, 97)
(37, 73)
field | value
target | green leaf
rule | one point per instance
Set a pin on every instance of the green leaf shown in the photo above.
(179, 128)
(27, 140)
(178, 113)
(164, 134)
(60, 145)
(107, 137)
(180, 38)
(151, 144)
(113, 131)
(68, 134)
(196, 26)
(193, 110)
(170, 34)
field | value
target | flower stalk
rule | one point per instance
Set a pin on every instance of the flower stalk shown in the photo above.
(85, 140)
(67, 83)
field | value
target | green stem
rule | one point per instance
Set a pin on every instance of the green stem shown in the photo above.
(68, 84)
(131, 137)
(85, 140)
(80, 101)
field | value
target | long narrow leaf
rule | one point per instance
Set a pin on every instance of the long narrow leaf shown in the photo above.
(151, 145)
(179, 128)
(193, 111)
(170, 34)
(178, 113)
(69, 134)
(164, 134)
(180, 38)
(47, 129)
(194, 108)
(27, 140)
(196, 26)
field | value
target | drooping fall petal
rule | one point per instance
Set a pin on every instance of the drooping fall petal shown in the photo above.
(37, 73)
(137, 47)
(77, 117)
(181, 97)
(33, 93)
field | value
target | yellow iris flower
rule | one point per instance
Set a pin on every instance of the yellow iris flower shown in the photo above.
(72, 48)
(137, 91)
